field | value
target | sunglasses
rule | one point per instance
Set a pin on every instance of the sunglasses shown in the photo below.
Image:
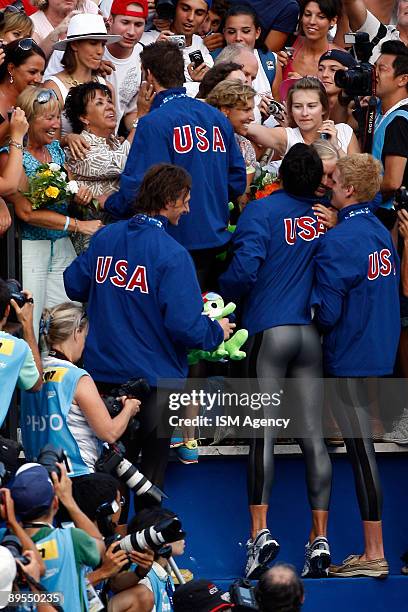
(45, 95)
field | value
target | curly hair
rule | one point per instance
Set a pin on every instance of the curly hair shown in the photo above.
(232, 94)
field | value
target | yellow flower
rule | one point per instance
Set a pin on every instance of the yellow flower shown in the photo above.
(52, 192)
(46, 173)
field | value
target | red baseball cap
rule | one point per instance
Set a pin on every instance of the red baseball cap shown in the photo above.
(120, 7)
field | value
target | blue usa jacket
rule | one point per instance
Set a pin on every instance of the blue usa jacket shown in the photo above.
(356, 295)
(189, 133)
(272, 266)
(144, 303)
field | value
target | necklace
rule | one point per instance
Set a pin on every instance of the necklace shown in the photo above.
(74, 82)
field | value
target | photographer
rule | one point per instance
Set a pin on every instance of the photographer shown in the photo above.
(20, 356)
(65, 552)
(152, 590)
(280, 590)
(390, 144)
(70, 397)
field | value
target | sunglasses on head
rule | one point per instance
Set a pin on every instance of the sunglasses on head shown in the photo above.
(45, 96)
(12, 9)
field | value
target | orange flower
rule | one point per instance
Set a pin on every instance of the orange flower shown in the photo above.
(271, 187)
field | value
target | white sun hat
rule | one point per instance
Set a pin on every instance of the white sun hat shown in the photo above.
(86, 27)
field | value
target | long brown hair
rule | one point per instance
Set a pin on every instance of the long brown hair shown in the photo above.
(307, 84)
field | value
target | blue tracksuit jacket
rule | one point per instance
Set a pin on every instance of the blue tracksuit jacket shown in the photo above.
(357, 295)
(189, 133)
(144, 303)
(272, 266)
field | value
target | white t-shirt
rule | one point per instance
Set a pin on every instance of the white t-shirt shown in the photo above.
(125, 80)
(372, 26)
(344, 134)
(197, 44)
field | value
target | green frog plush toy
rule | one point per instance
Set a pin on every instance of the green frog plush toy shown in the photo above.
(215, 309)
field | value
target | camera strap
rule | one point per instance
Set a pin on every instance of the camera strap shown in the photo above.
(38, 525)
(58, 355)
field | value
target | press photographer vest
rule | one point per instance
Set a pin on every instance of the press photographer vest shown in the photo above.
(57, 552)
(12, 355)
(381, 124)
(44, 414)
(163, 589)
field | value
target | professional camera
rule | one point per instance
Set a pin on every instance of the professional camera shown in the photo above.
(155, 538)
(242, 595)
(401, 199)
(112, 461)
(358, 81)
(9, 453)
(18, 296)
(50, 455)
(165, 9)
(135, 387)
(14, 546)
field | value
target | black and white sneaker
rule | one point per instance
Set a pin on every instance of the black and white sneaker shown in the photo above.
(260, 552)
(317, 559)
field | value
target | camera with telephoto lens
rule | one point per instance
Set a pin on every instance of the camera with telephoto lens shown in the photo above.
(137, 388)
(242, 595)
(165, 9)
(112, 461)
(13, 544)
(9, 454)
(50, 455)
(401, 199)
(155, 538)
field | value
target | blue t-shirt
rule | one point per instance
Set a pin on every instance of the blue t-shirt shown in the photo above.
(275, 14)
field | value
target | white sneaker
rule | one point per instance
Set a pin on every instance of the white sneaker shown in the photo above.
(317, 559)
(260, 552)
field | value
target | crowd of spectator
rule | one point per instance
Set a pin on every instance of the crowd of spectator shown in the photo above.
(153, 153)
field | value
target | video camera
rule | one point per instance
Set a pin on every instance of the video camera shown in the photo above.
(112, 461)
(242, 595)
(156, 538)
(9, 454)
(138, 388)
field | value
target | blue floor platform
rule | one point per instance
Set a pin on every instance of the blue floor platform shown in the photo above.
(210, 497)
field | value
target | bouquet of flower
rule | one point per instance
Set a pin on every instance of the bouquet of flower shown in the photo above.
(264, 183)
(49, 185)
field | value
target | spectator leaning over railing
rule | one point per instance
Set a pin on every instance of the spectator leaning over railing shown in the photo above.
(23, 65)
(21, 362)
(46, 247)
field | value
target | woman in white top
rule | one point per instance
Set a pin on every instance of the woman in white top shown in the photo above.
(83, 51)
(308, 110)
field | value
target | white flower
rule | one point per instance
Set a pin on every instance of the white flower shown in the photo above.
(54, 167)
(72, 187)
(63, 175)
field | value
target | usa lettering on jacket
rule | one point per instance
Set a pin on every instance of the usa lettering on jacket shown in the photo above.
(187, 137)
(306, 228)
(136, 280)
(380, 264)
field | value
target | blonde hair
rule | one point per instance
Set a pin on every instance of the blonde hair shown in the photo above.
(325, 149)
(16, 21)
(307, 84)
(362, 172)
(60, 322)
(231, 93)
(42, 5)
(28, 102)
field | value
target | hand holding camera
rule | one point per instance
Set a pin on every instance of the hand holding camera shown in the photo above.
(22, 303)
(328, 127)
(62, 485)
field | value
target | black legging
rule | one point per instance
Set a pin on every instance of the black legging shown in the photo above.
(352, 413)
(291, 351)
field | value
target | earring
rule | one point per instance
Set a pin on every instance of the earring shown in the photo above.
(11, 78)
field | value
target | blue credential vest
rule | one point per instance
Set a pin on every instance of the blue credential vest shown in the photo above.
(161, 588)
(381, 125)
(12, 354)
(57, 551)
(44, 414)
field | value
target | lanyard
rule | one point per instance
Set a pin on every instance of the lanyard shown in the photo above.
(391, 110)
(150, 220)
